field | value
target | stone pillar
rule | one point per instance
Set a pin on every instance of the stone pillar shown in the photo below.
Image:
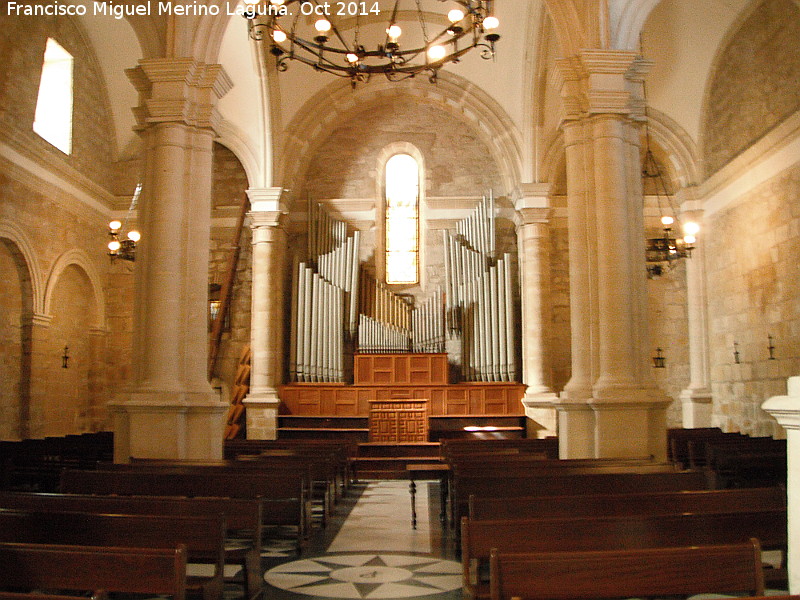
(696, 399)
(611, 405)
(533, 241)
(170, 410)
(786, 410)
(267, 322)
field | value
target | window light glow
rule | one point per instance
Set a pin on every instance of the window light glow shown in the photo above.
(53, 120)
(402, 219)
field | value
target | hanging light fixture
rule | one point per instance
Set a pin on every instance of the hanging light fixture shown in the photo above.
(359, 39)
(124, 248)
(663, 252)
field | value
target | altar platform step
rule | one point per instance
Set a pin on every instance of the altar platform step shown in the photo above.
(389, 461)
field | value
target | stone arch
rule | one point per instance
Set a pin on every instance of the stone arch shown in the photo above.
(14, 234)
(15, 411)
(455, 95)
(627, 22)
(718, 149)
(80, 259)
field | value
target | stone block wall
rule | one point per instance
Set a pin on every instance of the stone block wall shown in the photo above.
(756, 84)
(229, 185)
(753, 266)
(22, 45)
(669, 331)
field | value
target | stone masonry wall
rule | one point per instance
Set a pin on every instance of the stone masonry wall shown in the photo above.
(753, 266)
(12, 305)
(22, 44)
(757, 82)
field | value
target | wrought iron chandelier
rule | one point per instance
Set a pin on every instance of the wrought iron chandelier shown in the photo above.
(663, 252)
(356, 40)
(124, 249)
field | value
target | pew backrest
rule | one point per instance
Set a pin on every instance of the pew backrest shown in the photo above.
(675, 571)
(91, 568)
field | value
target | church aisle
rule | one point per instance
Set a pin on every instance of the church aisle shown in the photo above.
(369, 550)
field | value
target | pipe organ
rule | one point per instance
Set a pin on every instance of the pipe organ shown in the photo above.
(479, 297)
(324, 301)
(338, 310)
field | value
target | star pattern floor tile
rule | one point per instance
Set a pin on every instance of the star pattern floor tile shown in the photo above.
(356, 576)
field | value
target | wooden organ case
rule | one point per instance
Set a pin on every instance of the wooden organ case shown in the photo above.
(398, 350)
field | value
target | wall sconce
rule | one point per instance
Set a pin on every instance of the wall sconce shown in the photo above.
(659, 360)
(771, 347)
(736, 352)
(65, 358)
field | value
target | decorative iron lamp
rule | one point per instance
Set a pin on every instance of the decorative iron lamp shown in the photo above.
(353, 39)
(663, 252)
(124, 248)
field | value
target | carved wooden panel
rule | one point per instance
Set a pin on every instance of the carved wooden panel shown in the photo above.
(457, 399)
(400, 369)
(398, 421)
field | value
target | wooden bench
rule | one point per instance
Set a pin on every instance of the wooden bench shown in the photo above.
(98, 595)
(646, 572)
(548, 446)
(242, 516)
(611, 533)
(596, 505)
(284, 496)
(203, 537)
(90, 568)
(563, 484)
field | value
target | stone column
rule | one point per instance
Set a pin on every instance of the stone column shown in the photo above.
(170, 410)
(786, 410)
(267, 322)
(696, 399)
(611, 406)
(533, 242)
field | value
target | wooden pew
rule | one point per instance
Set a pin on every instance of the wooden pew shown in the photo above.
(562, 484)
(285, 497)
(321, 471)
(90, 568)
(243, 517)
(342, 450)
(636, 573)
(203, 537)
(607, 505)
(98, 595)
(611, 533)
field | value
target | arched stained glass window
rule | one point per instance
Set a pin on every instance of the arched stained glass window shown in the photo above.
(402, 219)
(53, 119)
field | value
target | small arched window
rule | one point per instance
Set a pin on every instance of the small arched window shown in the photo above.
(402, 219)
(53, 120)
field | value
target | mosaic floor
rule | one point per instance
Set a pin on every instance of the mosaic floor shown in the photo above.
(368, 550)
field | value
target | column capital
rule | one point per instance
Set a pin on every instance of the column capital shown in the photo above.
(602, 81)
(42, 320)
(786, 409)
(266, 199)
(181, 90)
(533, 204)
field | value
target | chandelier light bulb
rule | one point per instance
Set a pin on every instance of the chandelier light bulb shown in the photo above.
(352, 58)
(394, 32)
(114, 225)
(436, 52)
(691, 228)
(279, 36)
(114, 245)
(689, 239)
(277, 2)
(323, 25)
(666, 220)
(490, 23)
(455, 15)
(134, 236)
